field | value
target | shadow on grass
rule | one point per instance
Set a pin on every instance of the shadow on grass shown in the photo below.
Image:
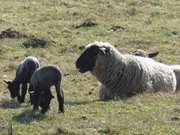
(9, 104)
(28, 117)
(123, 98)
(81, 102)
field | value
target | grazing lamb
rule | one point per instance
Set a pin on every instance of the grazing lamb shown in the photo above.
(121, 74)
(23, 74)
(40, 93)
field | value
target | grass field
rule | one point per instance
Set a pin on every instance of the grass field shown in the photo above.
(128, 25)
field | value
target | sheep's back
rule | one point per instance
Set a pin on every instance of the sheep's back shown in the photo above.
(158, 76)
(26, 68)
(46, 76)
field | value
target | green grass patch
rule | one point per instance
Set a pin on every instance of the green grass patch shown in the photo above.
(128, 25)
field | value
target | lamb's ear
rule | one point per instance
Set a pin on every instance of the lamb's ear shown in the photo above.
(8, 81)
(104, 50)
(153, 54)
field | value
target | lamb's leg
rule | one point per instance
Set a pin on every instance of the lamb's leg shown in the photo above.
(45, 105)
(36, 102)
(19, 98)
(50, 97)
(60, 97)
(18, 94)
(24, 90)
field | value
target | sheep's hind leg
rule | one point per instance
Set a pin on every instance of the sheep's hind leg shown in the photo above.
(60, 97)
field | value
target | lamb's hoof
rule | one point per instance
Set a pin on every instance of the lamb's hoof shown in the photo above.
(36, 113)
(61, 111)
(21, 101)
(43, 111)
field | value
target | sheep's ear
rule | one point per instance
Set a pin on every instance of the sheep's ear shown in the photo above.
(104, 50)
(8, 81)
(153, 54)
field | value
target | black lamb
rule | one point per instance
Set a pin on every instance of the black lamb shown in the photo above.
(40, 93)
(18, 86)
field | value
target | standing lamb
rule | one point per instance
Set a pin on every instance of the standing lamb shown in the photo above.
(23, 75)
(40, 93)
(121, 74)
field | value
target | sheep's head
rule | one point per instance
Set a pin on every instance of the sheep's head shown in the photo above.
(13, 87)
(87, 60)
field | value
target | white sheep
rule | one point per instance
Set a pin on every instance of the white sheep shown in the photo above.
(121, 74)
(176, 68)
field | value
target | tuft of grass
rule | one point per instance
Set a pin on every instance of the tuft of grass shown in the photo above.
(10, 129)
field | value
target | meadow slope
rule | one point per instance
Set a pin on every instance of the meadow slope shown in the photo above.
(127, 24)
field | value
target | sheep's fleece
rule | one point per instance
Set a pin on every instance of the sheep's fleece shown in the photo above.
(176, 69)
(120, 74)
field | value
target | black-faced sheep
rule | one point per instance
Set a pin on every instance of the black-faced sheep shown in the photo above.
(23, 74)
(40, 93)
(121, 74)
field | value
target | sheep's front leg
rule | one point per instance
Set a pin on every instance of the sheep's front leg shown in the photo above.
(36, 103)
(60, 97)
(104, 93)
(24, 90)
(18, 96)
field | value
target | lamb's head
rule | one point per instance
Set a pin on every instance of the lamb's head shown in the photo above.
(42, 98)
(45, 101)
(13, 87)
(87, 60)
